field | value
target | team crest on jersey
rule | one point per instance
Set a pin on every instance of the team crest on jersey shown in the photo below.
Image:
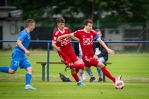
(64, 41)
(55, 38)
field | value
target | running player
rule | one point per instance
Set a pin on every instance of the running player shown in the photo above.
(86, 37)
(65, 50)
(18, 55)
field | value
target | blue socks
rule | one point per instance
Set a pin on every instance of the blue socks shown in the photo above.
(4, 69)
(90, 72)
(28, 78)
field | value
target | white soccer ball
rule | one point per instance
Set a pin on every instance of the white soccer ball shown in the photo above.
(119, 84)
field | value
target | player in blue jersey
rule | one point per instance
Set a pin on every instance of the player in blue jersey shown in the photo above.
(19, 55)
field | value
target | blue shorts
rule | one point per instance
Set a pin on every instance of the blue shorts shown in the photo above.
(19, 60)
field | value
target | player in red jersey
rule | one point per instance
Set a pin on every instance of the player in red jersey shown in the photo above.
(65, 50)
(86, 37)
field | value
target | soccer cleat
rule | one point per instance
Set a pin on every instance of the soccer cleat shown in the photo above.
(29, 87)
(80, 84)
(92, 79)
(100, 80)
(67, 67)
(118, 78)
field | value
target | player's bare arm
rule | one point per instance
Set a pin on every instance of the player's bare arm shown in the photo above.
(54, 46)
(19, 43)
(64, 36)
(74, 38)
(105, 46)
(96, 57)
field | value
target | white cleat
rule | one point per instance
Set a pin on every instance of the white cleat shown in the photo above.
(118, 78)
(29, 87)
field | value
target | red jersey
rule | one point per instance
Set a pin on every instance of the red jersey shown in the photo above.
(64, 44)
(86, 41)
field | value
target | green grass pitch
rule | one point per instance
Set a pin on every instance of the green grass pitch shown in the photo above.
(133, 67)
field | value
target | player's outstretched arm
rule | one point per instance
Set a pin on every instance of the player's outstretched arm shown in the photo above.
(64, 36)
(74, 38)
(105, 46)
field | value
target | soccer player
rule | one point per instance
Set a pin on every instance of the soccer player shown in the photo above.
(19, 55)
(86, 37)
(102, 55)
(65, 50)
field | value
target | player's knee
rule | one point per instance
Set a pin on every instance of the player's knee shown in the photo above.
(11, 71)
(86, 68)
(73, 71)
(101, 65)
(30, 70)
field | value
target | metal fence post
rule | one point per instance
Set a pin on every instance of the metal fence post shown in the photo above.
(48, 58)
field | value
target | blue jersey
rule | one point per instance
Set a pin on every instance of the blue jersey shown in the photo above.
(24, 36)
(18, 55)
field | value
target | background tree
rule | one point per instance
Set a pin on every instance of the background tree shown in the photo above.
(107, 11)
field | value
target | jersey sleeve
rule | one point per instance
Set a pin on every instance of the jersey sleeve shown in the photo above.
(22, 36)
(76, 33)
(95, 35)
(54, 38)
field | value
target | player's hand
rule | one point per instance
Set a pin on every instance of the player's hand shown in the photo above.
(58, 49)
(59, 39)
(95, 57)
(111, 51)
(27, 52)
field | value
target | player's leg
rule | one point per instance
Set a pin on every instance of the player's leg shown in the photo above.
(28, 77)
(90, 73)
(105, 71)
(4, 69)
(101, 59)
(78, 64)
(70, 61)
(82, 76)
(13, 67)
(93, 62)
(75, 76)
(99, 74)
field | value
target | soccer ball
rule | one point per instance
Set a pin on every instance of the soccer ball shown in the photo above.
(119, 84)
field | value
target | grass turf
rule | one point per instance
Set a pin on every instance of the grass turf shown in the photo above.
(133, 67)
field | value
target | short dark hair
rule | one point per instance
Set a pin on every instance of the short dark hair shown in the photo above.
(88, 21)
(60, 20)
(29, 21)
(97, 30)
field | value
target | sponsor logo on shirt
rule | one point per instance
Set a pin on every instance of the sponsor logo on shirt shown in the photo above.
(64, 41)
(87, 41)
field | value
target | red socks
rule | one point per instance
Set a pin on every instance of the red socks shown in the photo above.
(107, 73)
(75, 76)
(77, 66)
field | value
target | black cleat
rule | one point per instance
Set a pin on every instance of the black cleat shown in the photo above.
(92, 79)
(100, 80)
(67, 67)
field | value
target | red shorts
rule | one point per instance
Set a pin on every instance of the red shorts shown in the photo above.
(89, 61)
(68, 58)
